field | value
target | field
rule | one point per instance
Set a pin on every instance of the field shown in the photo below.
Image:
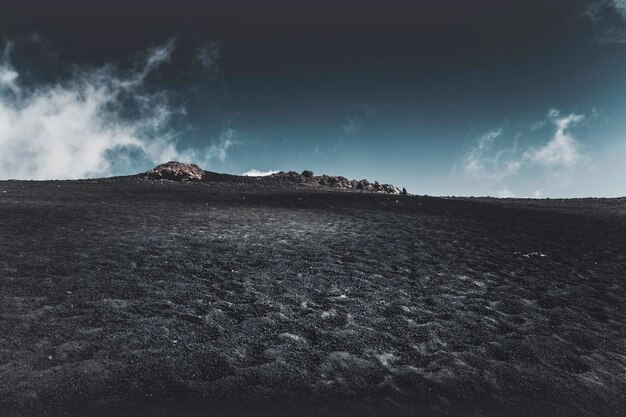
(137, 297)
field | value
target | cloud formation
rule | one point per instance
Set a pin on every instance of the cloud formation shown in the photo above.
(227, 139)
(98, 122)
(488, 162)
(259, 173)
(494, 160)
(8, 76)
(563, 149)
(506, 193)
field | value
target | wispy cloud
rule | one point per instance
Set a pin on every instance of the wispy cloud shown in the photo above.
(227, 139)
(8, 75)
(259, 173)
(495, 158)
(100, 121)
(490, 162)
(155, 57)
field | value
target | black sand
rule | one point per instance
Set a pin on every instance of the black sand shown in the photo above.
(131, 297)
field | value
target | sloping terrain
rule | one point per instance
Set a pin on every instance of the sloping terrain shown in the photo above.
(135, 297)
(177, 171)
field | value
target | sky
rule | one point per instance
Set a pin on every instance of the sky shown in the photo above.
(483, 98)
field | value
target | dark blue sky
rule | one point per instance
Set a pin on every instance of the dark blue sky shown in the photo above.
(520, 98)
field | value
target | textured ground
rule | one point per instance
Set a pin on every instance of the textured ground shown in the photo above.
(148, 298)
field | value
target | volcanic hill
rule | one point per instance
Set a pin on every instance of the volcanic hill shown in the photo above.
(177, 171)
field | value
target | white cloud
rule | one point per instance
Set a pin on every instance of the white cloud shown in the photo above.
(8, 79)
(155, 57)
(494, 160)
(487, 161)
(563, 149)
(8, 76)
(258, 173)
(78, 127)
(505, 193)
(475, 158)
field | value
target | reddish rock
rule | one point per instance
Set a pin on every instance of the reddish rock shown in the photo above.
(176, 171)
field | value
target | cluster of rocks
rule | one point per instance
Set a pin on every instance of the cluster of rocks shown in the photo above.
(176, 171)
(307, 178)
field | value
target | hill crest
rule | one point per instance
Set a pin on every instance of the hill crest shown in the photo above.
(178, 171)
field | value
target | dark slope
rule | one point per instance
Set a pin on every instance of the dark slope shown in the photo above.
(133, 297)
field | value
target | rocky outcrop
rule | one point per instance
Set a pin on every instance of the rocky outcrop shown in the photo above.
(176, 171)
(307, 178)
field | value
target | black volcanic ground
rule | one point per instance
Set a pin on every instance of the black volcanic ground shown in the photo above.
(136, 297)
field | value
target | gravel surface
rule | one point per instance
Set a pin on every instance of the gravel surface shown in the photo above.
(135, 297)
